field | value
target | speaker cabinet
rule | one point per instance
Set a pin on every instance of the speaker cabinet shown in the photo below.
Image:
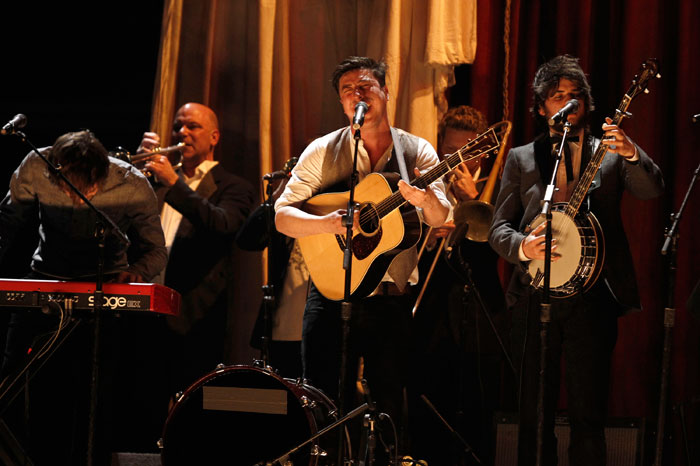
(624, 438)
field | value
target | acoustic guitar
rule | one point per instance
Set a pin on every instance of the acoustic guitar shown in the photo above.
(382, 231)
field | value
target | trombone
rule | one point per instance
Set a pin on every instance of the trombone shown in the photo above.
(476, 213)
(140, 159)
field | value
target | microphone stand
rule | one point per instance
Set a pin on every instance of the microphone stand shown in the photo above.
(671, 243)
(545, 305)
(269, 301)
(103, 221)
(346, 305)
(465, 446)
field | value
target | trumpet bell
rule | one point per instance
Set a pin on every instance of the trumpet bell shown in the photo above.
(139, 161)
(477, 215)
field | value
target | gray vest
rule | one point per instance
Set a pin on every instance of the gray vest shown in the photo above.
(337, 167)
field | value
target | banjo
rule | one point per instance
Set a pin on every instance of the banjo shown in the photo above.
(580, 240)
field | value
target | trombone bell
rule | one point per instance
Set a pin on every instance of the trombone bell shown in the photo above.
(477, 215)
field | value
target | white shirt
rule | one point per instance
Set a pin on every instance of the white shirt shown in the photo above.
(305, 180)
(169, 217)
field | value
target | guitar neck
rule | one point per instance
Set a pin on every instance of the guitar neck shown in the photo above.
(481, 145)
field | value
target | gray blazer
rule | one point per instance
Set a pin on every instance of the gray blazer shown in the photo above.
(525, 176)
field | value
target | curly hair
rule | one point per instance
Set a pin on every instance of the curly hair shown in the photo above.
(463, 117)
(547, 79)
(378, 69)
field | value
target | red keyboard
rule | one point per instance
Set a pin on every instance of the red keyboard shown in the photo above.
(145, 297)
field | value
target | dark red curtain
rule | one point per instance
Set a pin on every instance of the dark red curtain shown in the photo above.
(612, 39)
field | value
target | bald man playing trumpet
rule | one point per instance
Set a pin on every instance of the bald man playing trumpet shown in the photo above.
(203, 206)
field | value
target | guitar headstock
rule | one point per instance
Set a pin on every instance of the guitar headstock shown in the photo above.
(483, 144)
(648, 71)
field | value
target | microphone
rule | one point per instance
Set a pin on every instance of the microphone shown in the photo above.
(18, 121)
(696, 118)
(570, 107)
(277, 175)
(359, 119)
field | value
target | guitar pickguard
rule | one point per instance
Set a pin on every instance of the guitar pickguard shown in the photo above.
(362, 246)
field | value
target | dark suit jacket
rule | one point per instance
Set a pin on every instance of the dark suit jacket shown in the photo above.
(525, 176)
(199, 264)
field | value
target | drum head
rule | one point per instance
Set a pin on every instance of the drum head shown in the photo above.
(243, 415)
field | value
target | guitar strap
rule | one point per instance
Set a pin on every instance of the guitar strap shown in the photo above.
(398, 151)
(404, 262)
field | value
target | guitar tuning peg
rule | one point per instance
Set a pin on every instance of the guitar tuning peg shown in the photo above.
(646, 90)
(658, 75)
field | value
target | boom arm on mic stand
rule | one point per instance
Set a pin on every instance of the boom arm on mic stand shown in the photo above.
(669, 249)
(102, 226)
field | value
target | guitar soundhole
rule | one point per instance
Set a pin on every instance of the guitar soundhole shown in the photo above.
(370, 232)
(367, 239)
(369, 219)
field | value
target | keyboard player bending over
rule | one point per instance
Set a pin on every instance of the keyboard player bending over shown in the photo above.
(68, 250)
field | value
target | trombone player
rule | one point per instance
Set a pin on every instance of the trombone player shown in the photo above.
(451, 330)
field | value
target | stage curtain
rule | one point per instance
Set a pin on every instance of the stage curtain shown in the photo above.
(166, 74)
(612, 39)
(265, 68)
(302, 41)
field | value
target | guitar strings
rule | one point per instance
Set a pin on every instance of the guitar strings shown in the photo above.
(396, 200)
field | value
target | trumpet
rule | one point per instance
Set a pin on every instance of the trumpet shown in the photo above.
(140, 159)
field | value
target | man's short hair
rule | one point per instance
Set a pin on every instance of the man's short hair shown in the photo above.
(464, 118)
(82, 157)
(547, 78)
(377, 68)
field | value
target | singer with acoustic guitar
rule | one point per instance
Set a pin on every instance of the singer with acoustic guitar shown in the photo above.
(380, 316)
(583, 315)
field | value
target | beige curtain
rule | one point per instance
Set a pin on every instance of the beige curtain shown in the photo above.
(302, 41)
(265, 68)
(166, 77)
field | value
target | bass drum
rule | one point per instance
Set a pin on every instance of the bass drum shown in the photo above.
(246, 415)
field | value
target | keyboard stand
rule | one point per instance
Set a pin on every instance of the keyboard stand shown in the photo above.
(11, 451)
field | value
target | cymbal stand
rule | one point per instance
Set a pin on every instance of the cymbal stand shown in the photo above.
(671, 243)
(368, 439)
(282, 459)
(465, 446)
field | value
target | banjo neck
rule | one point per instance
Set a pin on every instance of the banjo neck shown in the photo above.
(648, 71)
(586, 179)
